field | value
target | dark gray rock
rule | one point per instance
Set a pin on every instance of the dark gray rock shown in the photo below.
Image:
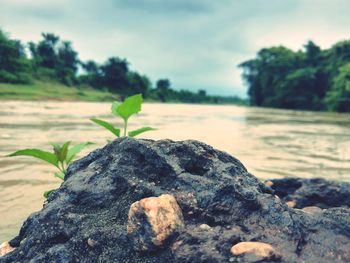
(211, 187)
(313, 192)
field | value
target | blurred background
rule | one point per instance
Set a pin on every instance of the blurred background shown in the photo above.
(266, 82)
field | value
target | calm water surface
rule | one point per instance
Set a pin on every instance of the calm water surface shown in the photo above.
(270, 143)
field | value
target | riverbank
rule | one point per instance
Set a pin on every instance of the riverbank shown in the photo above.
(43, 91)
(52, 91)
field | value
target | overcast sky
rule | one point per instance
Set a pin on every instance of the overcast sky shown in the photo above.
(197, 44)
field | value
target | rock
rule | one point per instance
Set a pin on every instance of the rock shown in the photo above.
(291, 204)
(210, 187)
(259, 250)
(312, 209)
(91, 242)
(269, 183)
(204, 227)
(5, 248)
(152, 221)
(313, 192)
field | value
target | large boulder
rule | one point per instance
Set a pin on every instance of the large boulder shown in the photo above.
(215, 204)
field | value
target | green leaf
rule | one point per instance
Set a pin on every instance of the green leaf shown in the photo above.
(130, 106)
(139, 131)
(63, 152)
(72, 152)
(60, 175)
(47, 193)
(107, 125)
(56, 149)
(115, 106)
(36, 153)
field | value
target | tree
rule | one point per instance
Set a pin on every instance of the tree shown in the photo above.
(14, 65)
(299, 91)
(67, 63)
(92, 76)
(114, 75)
(338, 97)
(54, 59)
(138, 84)
(312, 79)
(163, 88)
(264, 74)
(47, 51)
(312, 52)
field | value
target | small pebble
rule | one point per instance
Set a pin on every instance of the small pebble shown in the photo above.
(204, 227)
(91, 242)
(269, 183)
(291, 204)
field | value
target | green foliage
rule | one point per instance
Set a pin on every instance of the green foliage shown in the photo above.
(107, 125)
(54, 59)
(338, 98)
(47, 193)
(39, 154)
(130, 106)
(61, 157)
(14, 66)
(139, 131)
(39, 90)
(114, 75)
(163, 89)
(308, 80)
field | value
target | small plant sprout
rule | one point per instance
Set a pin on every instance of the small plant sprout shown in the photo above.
(125, 110)
(61, 157)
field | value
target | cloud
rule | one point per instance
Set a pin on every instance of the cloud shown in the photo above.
(197, 43)
(169, 6)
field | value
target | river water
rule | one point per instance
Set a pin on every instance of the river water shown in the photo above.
(270, 143)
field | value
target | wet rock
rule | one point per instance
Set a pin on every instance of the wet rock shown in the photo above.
(211, 188)
(5, 248)
(313, 192)
(194, 245)
(152, 221)
(256, 250)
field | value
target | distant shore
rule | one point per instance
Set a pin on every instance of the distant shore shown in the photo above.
(52, 91)
(44, 91)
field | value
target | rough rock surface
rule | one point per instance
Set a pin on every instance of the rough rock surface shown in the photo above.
(153, 221)
(85, 220)
(312, 192)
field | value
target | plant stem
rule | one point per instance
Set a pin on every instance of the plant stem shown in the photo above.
(62, 168)
(125, 127)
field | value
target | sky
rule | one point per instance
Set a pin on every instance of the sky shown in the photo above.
(197, 44)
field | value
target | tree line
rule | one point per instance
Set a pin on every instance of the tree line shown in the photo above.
(53, 59)
(308, 79)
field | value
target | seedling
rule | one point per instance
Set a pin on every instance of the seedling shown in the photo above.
(125, 110)
(61, 157)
